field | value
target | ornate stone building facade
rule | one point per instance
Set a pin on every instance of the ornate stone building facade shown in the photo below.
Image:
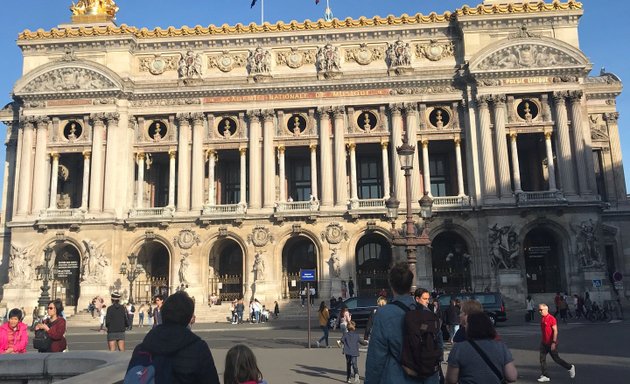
(229, 158)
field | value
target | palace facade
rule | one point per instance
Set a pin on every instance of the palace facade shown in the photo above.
(227, 159)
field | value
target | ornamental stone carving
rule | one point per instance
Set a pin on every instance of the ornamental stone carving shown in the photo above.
(260, 236)
(399, 57)
(94, 262)
(598, 127)
(587, 244)
(329, 61)
(295, 58)
(259, 61)
(20, 265)
(504, 247)
(527, 56)
(158, 64)
(364, 55)
(226, 62)
(186, 239)
(334, 233)
(165, 102)
(190, 65)
(422, 90)
(69, 79)
(435, 51)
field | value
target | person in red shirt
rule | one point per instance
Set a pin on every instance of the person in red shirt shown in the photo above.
(549, 344)
(55, 326)
(13, 334)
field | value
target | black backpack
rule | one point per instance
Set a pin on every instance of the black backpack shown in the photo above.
(133, 309)
(42, 341)
(421, 353)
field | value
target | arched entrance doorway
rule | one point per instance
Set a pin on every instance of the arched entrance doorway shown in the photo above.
(155, 258)
(451, 262)
(298, 253)
(67, 274)
(373, 260)
(542, 261)
(225, 270)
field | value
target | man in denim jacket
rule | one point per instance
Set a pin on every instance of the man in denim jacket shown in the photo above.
(384, 351)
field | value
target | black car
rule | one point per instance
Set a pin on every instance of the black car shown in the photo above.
(492, 303)
(360, 308)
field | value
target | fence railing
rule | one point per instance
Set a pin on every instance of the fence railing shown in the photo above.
(452, 201)
(152, 212)
(76, 213)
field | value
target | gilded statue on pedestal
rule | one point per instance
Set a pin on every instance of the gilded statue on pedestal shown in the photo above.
(94, 7)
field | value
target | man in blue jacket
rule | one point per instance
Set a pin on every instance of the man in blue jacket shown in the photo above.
(384, 351)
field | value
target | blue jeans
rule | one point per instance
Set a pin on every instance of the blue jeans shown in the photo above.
(351, 362)
(325, 337)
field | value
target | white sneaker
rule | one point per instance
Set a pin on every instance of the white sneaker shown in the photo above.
(356, 378)
(317, 343)
(543, 379)
(572, 371)
(339, 343)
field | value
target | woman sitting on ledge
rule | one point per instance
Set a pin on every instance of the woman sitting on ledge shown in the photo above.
(13, 334)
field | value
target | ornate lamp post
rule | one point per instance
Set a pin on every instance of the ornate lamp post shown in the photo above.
(132, 272)
(408, 237)
(45, 273)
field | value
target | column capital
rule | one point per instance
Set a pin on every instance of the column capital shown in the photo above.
(312, 147)
(97, 119)
(197, 118)
(281, 149)
(268, 115)
(559, 96)
(513, 136)
(132, 121)
(211, 153)
(457, 140)
(324, 112)
(140, 156)
(339, 111)
(410, 107)
(576, 96)
(498, 100)
(86, 155)
(42, 121)
(172, 153)
(27, 122)
(351, 146)
(112, 118)
(611, 117)
(483, 100)
(242, 151)
(384, 144)
(547, 135)
(395, 108)
(425, 143)
(253, 115)
(183, 118)
(54, 155)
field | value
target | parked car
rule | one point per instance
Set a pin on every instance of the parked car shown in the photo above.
(360, 308)
(492, 303)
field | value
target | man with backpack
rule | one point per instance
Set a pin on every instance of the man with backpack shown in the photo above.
(171, 352)
(405, 344)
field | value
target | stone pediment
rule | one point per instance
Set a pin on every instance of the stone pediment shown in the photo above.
(68, 78)
(529, 54)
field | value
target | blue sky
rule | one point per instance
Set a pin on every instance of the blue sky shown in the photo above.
(603, 31)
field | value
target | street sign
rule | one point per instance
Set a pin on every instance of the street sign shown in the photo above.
(597, 283)
(307, 274)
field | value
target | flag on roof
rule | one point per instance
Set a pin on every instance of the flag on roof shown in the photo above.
(253, 3)
(316, 2)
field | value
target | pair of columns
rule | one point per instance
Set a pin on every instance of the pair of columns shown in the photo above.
(54, 178)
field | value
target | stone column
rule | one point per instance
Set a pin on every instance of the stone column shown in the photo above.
(26, 170)
(313, 149)
(112, 170)
(398, 178)
(171, 178)
(581, 150)
(353, 172)
(326, 158)
(243, 173)
(255, 160)
(551, 168)
(282, 177)
(269, 165)
(505, 189)
(426, 170)
(341, 179)
(516, 168)
(460, 169)
(39, 186)
(385, 158)
(140, 187)
(411, 119)
(86, 180)
(565, 157)
(197, 163)
(183, 163)
(212, 192)
(487, 153)
(615, 153)
(96, 174)
(54, 178)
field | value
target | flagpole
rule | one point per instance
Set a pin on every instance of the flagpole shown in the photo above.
(262, 12)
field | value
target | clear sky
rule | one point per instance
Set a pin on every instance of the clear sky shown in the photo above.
(604, 29)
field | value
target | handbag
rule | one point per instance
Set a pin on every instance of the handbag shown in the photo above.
(42, 341)
(487, 360)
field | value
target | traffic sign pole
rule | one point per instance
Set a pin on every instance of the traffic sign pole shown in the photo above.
(308, 312)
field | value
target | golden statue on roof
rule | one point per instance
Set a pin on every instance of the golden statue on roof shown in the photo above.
(93, 10)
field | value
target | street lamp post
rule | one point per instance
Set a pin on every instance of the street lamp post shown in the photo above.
(44, 273)
(132, 272)
(409, 237)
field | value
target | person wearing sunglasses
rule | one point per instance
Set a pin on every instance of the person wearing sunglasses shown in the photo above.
(55, 326)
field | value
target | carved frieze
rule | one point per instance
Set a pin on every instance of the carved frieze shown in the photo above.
(423, 90)
(260, 236)
(164, 102)
(435, 51)
(364, 55)
(598, 127)
(69, 79)
(504, 247)
(527, 56)
(226, 62)
(295, 58)
(158, 64)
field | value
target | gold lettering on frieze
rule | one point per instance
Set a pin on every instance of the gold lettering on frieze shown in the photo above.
(296, 96)
(527, 80)
(59, 103)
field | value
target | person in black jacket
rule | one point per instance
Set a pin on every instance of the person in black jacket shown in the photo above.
(190, 356)
(116, 322)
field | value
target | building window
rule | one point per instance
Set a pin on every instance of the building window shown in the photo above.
(231, 182)
(369, 177)
(439, 169)
(599, 174)
(299, 179)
